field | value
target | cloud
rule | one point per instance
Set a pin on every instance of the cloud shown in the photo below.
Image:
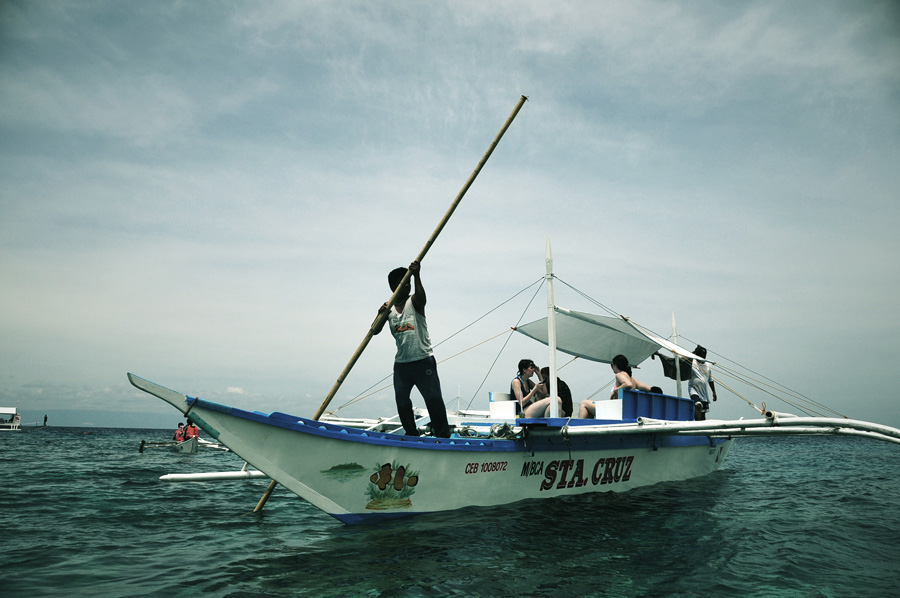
(212, 197)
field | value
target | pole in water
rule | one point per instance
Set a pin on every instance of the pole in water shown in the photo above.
(265, 497)
(383, 315)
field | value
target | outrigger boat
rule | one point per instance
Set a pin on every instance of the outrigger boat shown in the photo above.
(367, 469)
(189, 446)
(361, 470)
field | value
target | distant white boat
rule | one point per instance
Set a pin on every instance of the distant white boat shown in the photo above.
(10, 420)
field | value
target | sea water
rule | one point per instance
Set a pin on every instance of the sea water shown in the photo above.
(85, 514)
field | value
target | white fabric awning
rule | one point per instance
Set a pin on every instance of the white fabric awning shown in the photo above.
(668, 344)
(600, 338)
(7, 410)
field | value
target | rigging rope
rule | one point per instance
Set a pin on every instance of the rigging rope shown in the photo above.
(763, 387)
(756, 381)
(368, 392)
(500, 352)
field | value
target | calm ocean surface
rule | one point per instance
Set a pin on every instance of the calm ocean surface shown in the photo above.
(84, 514)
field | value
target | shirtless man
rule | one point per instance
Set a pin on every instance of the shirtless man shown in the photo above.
(623, 380)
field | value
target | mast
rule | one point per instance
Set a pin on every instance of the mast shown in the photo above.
(551, 333)
(677, 358)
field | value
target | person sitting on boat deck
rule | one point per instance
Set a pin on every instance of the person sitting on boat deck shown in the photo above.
(638, 385)
(562, 391)
(179, 433)
(525, 391)
(414, 363)
(700, 384)
(191, 430)
(624, 379)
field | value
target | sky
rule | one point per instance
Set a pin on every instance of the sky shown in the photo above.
(210, 195)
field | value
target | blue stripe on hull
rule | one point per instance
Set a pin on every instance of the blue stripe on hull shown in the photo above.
(530, 444)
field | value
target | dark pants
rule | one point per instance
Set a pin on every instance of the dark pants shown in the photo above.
(700, 408)
(423, 375)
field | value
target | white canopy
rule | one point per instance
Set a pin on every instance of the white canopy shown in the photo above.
(667, 344)
(600, 338)
(7, 410)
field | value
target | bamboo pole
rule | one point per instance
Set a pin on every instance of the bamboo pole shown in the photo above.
(265, 497)
(383, 315)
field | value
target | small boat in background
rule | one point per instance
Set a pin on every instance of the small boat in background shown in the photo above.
(187, 447)
(10, 419)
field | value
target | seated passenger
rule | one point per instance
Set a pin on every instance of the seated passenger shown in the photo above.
(562, 391)
(526, 393)
(191, 430)
(638, 385)
(623, 380)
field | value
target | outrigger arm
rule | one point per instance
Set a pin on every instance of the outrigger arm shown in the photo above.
(774, 424)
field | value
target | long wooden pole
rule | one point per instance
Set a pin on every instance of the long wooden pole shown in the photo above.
(383, 315)
(377, 324)
(265, 496)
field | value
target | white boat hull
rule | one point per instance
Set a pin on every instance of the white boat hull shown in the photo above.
(188, 446)
(10, 421)
(357, 475)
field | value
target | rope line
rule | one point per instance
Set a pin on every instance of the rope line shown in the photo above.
(721, 372)
(500, 352)
(368, 392)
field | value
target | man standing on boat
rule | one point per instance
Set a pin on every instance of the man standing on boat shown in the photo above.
(700, 384)
(414, 363)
